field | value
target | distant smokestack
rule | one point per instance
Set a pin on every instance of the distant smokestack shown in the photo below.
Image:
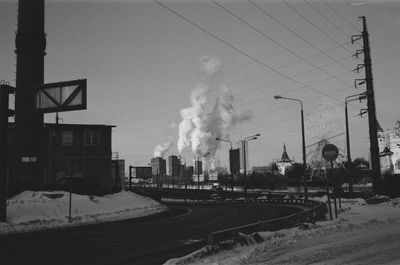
(30, 44)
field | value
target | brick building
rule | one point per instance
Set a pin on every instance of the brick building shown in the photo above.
(81, 152)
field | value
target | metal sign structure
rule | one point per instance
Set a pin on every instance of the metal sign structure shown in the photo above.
(62, 96)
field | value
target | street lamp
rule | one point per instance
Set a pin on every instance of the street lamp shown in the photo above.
(198, 169)
(219, 139)
(303, 141)
(246, 139)
(354, 97)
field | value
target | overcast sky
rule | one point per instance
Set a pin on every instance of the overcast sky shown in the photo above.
(142, 59)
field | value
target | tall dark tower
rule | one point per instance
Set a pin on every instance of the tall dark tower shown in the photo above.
(30, 43)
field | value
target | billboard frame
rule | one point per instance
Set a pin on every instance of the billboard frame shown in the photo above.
(62, 106)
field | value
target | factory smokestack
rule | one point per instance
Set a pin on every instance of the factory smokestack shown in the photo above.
(30, 44)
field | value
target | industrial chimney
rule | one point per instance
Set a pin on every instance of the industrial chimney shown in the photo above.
(30, 43)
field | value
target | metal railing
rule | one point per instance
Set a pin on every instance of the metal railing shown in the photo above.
(315, 211)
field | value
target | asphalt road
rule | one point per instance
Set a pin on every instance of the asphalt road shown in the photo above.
(141, 241)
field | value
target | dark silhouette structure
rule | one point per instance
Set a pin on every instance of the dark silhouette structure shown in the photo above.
(30, 44)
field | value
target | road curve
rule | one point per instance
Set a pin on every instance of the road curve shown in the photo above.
(143, 241)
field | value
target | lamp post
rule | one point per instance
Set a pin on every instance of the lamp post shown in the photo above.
(354, 97)
(303, 141)
(228, 141)
(198, 170)
(246, 139)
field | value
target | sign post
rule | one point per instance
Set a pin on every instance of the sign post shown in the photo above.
(330, 152)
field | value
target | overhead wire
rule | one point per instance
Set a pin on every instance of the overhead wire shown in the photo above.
(229, 84)
(158, 114)
(276, 42)
(326, 18)
(292, 63)
(182, 98)
(341, 16)
(263, 9)
(239, 50)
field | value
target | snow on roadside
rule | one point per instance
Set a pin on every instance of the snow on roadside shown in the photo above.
(37, 210)
(355, 214)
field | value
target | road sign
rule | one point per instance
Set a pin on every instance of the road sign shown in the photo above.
(330, 152)
(61, 96)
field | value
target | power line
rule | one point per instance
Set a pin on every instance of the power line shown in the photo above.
(262, 9)
(277, 43)
(186, 97)
(316, 27)
(300, 74)
(297, 61)
(337, 13)
(238, 50)
(327, 19)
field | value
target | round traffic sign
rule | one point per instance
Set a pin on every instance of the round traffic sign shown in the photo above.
(330, 152)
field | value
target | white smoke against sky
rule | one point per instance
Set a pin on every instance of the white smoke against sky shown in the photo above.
(199, 129)
(161, 149)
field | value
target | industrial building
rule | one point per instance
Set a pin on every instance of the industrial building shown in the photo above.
(81, 152)
(51, 156)
(174, 165)
(158, 169)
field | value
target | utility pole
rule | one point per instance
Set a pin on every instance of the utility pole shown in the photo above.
(373, 128)
(5, 90)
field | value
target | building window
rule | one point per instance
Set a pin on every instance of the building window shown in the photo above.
(67, 138)
(92, 138)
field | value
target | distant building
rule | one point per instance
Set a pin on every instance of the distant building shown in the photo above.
(285, 162)
(174, 164)
(234, 161)
(158, 169)
(389, 149)
(244, 156)
(118, 174)
(198, 171)
(158, 166)
(261, 169)
(81, 152)
(189, 171)
(198, 167)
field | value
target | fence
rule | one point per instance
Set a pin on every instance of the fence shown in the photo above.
(314, 211)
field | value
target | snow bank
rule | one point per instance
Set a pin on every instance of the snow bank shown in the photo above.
(355, 214)
(32, 210)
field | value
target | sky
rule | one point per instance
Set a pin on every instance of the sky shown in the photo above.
(145, 60)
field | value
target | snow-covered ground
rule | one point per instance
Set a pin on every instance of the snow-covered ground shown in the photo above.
(362, 234)
(39, 210)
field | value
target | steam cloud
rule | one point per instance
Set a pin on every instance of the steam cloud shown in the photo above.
(199, 129)
(161, 149)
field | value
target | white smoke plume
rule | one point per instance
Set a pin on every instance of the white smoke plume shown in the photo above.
(161, 149)
(199, 129)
